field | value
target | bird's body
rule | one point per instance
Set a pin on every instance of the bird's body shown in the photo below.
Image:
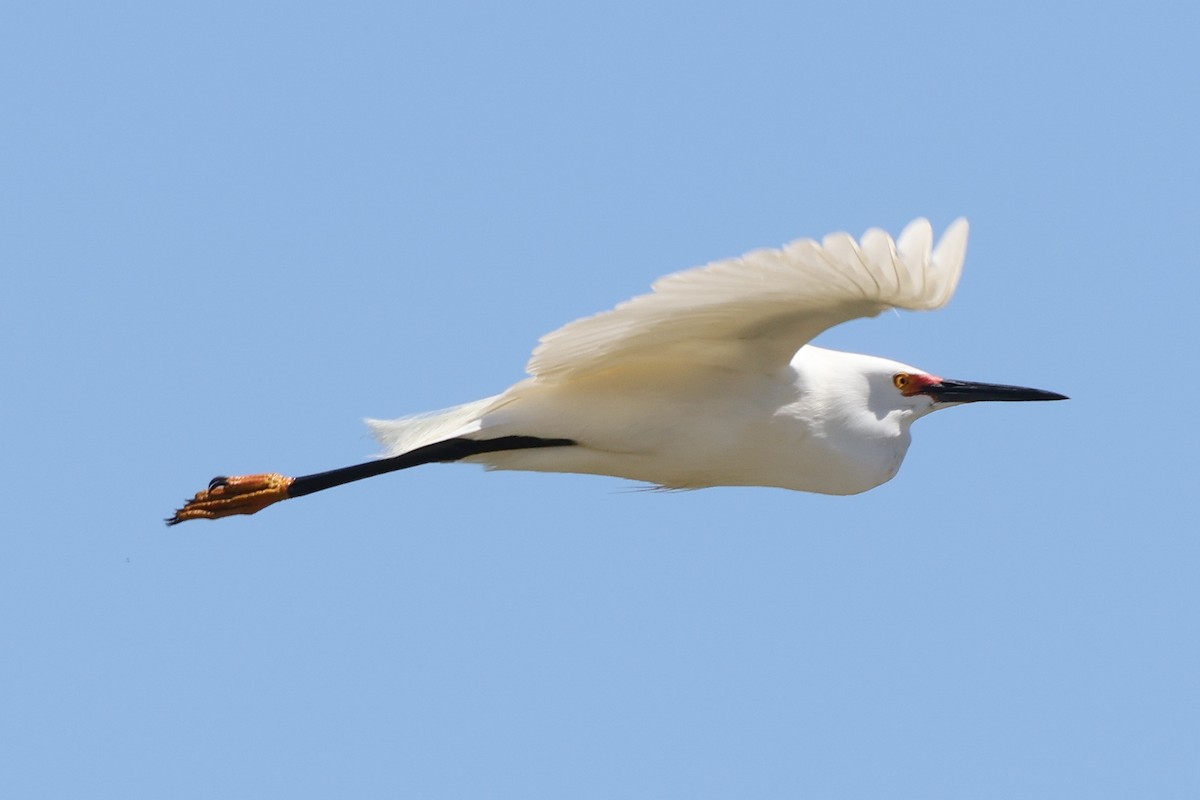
(687, 427)
(708, 381)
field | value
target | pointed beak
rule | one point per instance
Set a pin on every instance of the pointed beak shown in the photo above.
(947, 391)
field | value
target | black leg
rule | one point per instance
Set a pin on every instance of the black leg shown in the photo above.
(449, 450)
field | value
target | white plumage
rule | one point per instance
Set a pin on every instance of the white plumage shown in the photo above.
(707, 381)
(710, 381)
(753, 313)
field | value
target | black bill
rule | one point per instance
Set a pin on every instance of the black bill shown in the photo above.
(971, 392)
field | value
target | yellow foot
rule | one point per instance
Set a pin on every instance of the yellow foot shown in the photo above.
(241, 494)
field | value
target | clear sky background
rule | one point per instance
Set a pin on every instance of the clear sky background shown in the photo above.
(228, 231)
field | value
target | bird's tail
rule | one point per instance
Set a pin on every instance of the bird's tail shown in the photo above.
(399, 436)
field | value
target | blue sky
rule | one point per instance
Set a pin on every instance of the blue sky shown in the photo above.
(229, 231)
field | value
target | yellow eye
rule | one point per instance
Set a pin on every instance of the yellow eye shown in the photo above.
(901, 380)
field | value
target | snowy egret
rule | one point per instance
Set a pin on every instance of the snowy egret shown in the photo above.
(707, 381)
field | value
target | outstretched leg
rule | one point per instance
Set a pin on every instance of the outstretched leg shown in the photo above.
(247, 494)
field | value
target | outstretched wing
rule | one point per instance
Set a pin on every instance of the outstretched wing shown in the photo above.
(753, 313)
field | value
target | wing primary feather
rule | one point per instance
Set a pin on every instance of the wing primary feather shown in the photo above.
(948, 258)
(756, 311)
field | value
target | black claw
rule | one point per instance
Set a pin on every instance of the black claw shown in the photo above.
(218, 481)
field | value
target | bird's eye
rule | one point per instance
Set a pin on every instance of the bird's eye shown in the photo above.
(901, 380)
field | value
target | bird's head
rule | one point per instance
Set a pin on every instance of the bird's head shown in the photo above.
(845, 385)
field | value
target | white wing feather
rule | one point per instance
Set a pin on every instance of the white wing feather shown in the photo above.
(755, 312)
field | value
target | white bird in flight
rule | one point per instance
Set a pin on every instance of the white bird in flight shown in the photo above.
(709, 380)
